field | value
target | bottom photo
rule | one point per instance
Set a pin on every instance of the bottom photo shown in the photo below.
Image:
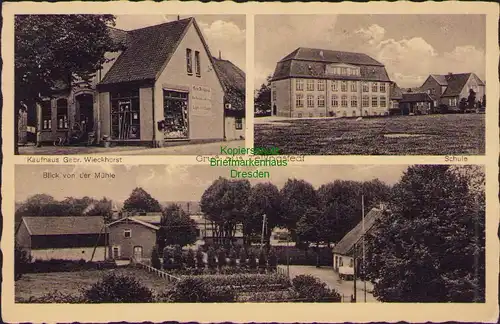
(192, 233)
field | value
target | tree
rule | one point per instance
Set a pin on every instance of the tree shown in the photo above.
(312, 227)
(50, 49)
(223, 202)
(430, 247)
(22, 261)
(263, 97)
(471, 99)
(141, 201)
(264, 199)
(176, 227)
(297, 196)
(199, 259)
(155, 258)
(484, 101)
(462, 105)
(190, 259)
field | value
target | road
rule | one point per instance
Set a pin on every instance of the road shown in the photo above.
(331, 278)
(189, 149)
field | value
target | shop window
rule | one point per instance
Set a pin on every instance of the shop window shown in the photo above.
(321, 85)
(365, 87)
(382, 87)
(189, 61)
(343, 101)
(299, 100)
(125, 114)
(175, 112)
(127, 233)
(354, 101)
(383, 102)
(238, 124)
(335, 101)
(374, 87)
(343, 86)
(335, 86)
(310, 85)
(62, 113)
(374, 101)
(46, 115)
(321, 101)
(354, 86)
(299, 85)
(310, 101)
(197, 63)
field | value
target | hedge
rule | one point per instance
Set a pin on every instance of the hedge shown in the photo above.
(58, 265)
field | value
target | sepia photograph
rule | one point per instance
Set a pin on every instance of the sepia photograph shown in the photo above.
(315, 234)
(125, 84)
(376, 84)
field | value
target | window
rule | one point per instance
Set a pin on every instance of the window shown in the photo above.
(354, 86)
(189, 61)
(365, 87)
(310, 85)
(127, 233)
(351, 263)
(46, 115)
(321, 85)
(321, 115)
(374, 87)
(343, 101)
(354, 101)
(366, 112)
(310, 114)
(198, 232)
(299, 85)
(299, 115)
(62, 113)
(382, 87)
(343, 86)
(299, 100)
(238, 123)
(374, 101)
(335, 101)
(125, 114)
(116, 252)
(354, 113)
(343, 71)
(395, 104)
(344, 113)
(335, 86)
(383, 102)
(366, 101)
(321, 101)
(310, 101)
(274, 95)
(197, 63)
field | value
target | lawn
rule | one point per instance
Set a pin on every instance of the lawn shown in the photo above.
(40, 284)
(453, 134)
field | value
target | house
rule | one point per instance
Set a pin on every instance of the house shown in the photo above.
(131, 238)
(416, 103)
(348, 247)
(162, 87)
(233, 82)
(395, 97)
(449, 89)
(63, 237)
(312, 82)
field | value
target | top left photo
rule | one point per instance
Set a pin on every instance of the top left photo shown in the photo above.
(129, 84)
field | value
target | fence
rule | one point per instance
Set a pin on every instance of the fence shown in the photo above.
(159, 273)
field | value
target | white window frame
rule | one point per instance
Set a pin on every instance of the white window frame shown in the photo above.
(238, 124)
(321, 85)
(299, 85)
(343, 101)
(383, 102)
(365, 87)
(365, 101)
(310, 99)
(382, 87)
(113, 247)
(321, 101)
(343, 86)
(374, 86)
(335, 101)
(310, 85)
(354, 101)
(374, 99)
(354, 86)
(125, 231)
(299, 100)
(335, 86)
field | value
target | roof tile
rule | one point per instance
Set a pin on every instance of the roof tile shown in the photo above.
(64, 225)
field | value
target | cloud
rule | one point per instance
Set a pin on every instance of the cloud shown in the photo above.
(373, 34)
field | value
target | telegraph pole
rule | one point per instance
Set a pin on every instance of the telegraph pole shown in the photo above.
(263, 228)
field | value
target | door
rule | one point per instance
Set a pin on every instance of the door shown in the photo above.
(275, 110)
(175, 112)
(86, 110)
(116, 252)
(138, 253)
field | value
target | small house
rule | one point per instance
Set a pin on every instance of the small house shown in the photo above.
(63, 237)
(416, 103)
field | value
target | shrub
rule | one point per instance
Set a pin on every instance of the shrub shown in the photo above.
(232, 257)
(243, 258)
(269, 296)
(190, 262)
(246, 279)
(262, 259)
(192, 290)
(54, 297)
(155, 259)
(272, 260)
(221, 258)
(199, 259)
(311, 289)
(212, 263)
(252, 263)
(22, 263)
(115, 288)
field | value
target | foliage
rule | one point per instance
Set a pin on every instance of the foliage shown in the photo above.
(430, 248)
(245, 279)
(195, 289)
(462, 105)
(22, 262)
(252, 262)
(311, 289)
(60, 265)
(190, 259)
(297, 196)
(272, 260)
(311, 227)
(243, 257)
(221, 258)
(262, 259)
(176, 227)
(263, 97)
(155, 259)
(54, 297)
(270, 296)
(471, 99)
(141, 201)
(115, 288)
(199, 259)
(211, 259)
(232, 257)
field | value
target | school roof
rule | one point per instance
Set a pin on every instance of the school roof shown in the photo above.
(346, 244)
(233, 83)
(454, 82)
(416, 97)
(311, 62)
(63, 225)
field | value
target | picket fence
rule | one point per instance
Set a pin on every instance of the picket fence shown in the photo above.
(159, 273)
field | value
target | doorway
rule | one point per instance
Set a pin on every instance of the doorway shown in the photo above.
(138, 253)
(175, 112)
(275, 110)
(85, 114)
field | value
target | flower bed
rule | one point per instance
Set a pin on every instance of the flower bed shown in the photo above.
(246, 280)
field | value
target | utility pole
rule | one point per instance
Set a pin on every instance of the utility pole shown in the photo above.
(263, 228)
(363, 237)
(355, 274)
(287, 257)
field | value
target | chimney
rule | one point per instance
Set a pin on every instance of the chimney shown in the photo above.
(220, 56)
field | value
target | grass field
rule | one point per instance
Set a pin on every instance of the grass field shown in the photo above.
(39, 284)
(453, 134)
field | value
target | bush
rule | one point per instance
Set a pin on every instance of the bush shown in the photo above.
(190, 262)
(59, 265)
(22, 263)
(311, 289)
(54, 297)
(252, 263)
(193, 290)
(212, 263)
(262, 260)
(115, 288)
(199, 259)
(243, 258)
(155, 259)
(232, 258)
(221, 258)
(246, 279)
(272, 260)
(269, 296)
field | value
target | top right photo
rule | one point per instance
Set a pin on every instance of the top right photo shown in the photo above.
(371, 84)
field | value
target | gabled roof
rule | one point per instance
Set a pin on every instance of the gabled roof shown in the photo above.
(416, 97)
(346, 244)
(329, 56)
(233, 83)
(151, 219)
(456, 83)
(440, 79)
(118, 36)
(135, 220)
(64, 225)
(395, 92)
(148, 50)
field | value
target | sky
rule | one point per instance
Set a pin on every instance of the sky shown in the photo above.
(411, 46)
(177, 182)
(225, 33)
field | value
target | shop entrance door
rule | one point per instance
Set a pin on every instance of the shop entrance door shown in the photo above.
(175, 111)
(86, 108)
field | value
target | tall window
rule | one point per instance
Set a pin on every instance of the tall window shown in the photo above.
(343, 86)
(374, 101)
(238, 123)
(366, 101)
(321, 85)
(383, 102)
(321, 101)
(343, 71)
(382, 86)
(299, 100)
(374, 87)
(335, 86)
(299, 85)
(125, 114)
(310, 101)
(310, 85)
(354, 101)
(354, 86)
(46, 115)
(335, 101)
(189, 61)
(274, 94)
(197, 63)
(343, 101)
(365, 87)
(62, 113)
